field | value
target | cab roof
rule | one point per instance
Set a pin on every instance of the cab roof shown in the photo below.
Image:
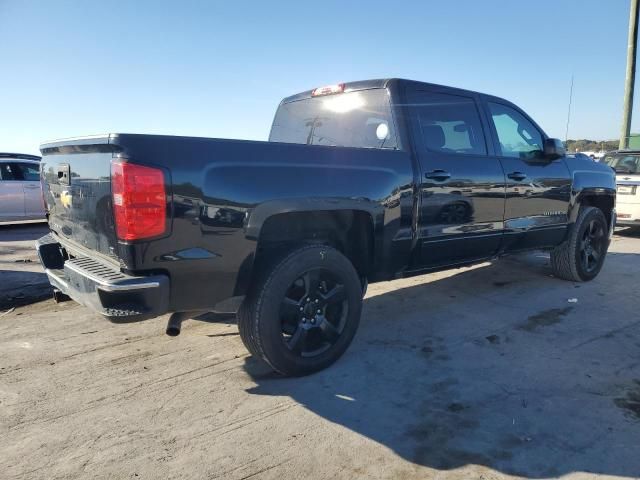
(22, 156)
(383, 83)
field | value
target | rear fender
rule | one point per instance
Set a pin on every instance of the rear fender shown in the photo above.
(261, 213)
(266, 210)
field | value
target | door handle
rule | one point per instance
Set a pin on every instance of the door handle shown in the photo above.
(518, 176)
(438, 175)
(32, 186)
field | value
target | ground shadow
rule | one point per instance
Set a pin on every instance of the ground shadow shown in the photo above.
(18, 288)
(628, 232)
(217, 317)
(499, 366)
(22, 231)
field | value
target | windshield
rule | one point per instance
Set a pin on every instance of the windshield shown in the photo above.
(623, 163)
(353, 119)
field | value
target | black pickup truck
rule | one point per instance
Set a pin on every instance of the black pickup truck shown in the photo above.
(359, 182)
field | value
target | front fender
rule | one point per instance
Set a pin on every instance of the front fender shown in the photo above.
(600, 182)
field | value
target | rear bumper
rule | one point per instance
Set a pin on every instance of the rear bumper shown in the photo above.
(105, 289)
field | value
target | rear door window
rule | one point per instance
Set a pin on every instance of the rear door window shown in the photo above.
(29, 171)
(9, 171)
(448, 123)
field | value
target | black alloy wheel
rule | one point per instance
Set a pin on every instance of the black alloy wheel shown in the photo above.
(593, 246)
(303, 310)
(313, 313)
(581, 256)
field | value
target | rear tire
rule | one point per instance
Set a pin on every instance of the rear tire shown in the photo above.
(581, 256)
(364, 281)
(302, 311)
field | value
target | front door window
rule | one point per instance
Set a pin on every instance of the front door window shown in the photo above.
(517, 136)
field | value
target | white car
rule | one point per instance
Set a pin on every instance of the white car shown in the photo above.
(20, 190)
(627, 167)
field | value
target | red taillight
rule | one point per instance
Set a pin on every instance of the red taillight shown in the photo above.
(139, 201)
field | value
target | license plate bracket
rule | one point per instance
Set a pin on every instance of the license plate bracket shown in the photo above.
(626, 189)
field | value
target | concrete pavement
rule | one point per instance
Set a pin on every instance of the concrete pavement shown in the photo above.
(493, 371)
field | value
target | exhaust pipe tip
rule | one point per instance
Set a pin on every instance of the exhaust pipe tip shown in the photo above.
(173, 331)
(175, 321)
(174, 324)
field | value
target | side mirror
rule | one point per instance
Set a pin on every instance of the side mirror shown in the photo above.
(553, 148)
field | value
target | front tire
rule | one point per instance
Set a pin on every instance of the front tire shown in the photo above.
(581, 256)
(303, 311)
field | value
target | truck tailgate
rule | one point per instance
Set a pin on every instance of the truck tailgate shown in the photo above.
(77, 190)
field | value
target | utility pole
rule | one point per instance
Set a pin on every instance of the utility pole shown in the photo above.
(631, 75)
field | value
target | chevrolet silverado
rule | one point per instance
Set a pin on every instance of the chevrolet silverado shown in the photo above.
(359, 182)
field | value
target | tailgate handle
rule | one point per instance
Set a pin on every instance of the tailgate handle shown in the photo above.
(64, 174)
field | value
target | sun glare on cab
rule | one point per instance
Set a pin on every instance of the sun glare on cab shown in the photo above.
(344, 103)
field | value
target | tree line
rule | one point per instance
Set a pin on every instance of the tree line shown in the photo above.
(591, 145)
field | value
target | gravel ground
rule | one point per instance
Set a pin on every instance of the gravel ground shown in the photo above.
(493, 371)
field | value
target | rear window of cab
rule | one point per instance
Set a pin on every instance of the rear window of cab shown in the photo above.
(359, 118)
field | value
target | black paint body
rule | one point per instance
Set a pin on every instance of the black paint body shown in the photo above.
(220, 194)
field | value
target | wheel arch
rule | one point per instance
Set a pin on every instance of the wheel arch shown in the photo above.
(593, 188)
(602, 198)
(350, 226)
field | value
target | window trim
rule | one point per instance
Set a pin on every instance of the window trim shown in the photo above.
(420, 146)
(486, 100)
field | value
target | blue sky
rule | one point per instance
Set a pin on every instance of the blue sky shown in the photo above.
(219, 68)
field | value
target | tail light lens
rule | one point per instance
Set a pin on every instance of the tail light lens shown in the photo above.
(139, 201)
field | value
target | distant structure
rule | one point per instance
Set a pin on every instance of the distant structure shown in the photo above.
(595, 155)
(634, 141)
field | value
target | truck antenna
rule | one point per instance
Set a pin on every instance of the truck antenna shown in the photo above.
(566, 132)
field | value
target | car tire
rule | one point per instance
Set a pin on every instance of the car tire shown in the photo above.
(364, 282)
(303, 310)
(243, 316)
(581, 256)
